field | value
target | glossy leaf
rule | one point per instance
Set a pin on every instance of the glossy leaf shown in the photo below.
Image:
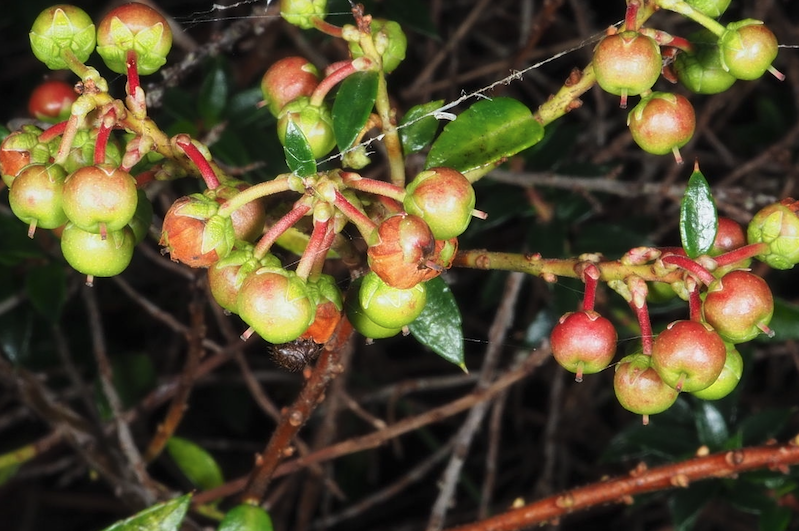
(246, 517)
(764, 425)
(214, 95)
(439, 327)
(165, 516)
(354, 103)
(487, 132)
(699, 220)
(421, 131)
(299, 156)
(46, 287)
(197, 464)
(775, 518)
(686, 504)
(710, 425)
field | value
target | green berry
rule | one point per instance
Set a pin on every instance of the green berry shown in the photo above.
(59, 30)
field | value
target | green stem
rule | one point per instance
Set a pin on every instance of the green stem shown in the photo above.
(276, 185)
(684, 9)
(87, 74)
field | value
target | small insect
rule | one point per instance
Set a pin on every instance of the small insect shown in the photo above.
(295, 355)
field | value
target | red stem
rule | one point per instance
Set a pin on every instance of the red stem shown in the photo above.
(694, 302)
(332, 80)
(206, 171)
(373, 186)
(630, 22)
(103, 133)
(326, 27)
(327, 243)
(590, 276)
(314, 248)
(282, 225)
(361, 221)
(54, 131)
(683, 262)
(741, 253)
(133, 72)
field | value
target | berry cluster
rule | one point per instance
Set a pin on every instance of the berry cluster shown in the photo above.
(728, 305)
(628, 63)
(79, 178)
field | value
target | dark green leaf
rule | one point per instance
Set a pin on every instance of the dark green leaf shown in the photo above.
(354, 103)
(686, 504)
(762, 426)
(710, 425)
(421, 131)
(699, 220)
(16, 244)
(299, 156)
(165, 516)
(775, 518)
(783, 322)
(487, 132)
(748, 497)
(8, 472)
(439, 326)
(197, 464)
(214, 95)
(46, 287)
(246, 517)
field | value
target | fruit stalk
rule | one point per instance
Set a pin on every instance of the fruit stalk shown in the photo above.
(276, 230)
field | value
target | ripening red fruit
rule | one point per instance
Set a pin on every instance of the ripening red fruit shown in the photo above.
(192, 233)
(100, 198)
(37, 196)
(662, 123)
(688, 355)
(404, 249)
(627, 64)
(583, 342)
(444, 198)
(51, 101)
(639, 388)
(286, 80)
(747, 49)
(739, 306)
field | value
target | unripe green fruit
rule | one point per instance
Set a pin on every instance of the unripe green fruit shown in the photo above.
(390, 42)
(37, 196)
(301, 12)
(246, 517)
(662, 123)
(358, 318)
(390, 307)
(95, 256)
(747, 49)
(62, 29)
(627, 64)
(727, 380)
(134, 27)
(100, 198)
(276, 304)
(444, 198)
(315, 122)
(639, 388)
(778, 226)
(142, 218)
(226, 276)
(702, 71)
(688, 355)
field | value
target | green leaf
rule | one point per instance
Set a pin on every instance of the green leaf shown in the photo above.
(699, 220)
(165, 516)
(422, 131)
(46, 287)
(214, 95)
(354, 103)
(246, 517)
(299, 156)
(775, 518)
(687, 504)
(439, 326)
(487, 132)
(710, 425)
(197, 464)
(764, 425)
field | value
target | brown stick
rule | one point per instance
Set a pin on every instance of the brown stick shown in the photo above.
(620, 490)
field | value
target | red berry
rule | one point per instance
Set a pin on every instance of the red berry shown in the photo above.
(688, 355)
(730, 236)
(51, 101)
(192, 233)
(20, 149)
(747, 49)
(100, 198)
(739, 306)
(639, 387)
(226, 276)
(627, 64)
(249, 219)
(37, 196)
(583, 342)
(444, 198)
(287, 80)
(134, 27)
(662, 123)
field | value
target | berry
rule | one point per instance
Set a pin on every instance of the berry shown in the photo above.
(249, 219)
(138, 28)
(192, 233)
(688, 355)
(37, 196)
(444, 198)
(702, 71)
(51, 101)
(95, 256)
(301, 12)
(286, 80)
(142, 218)
(583, 343)
(739, 306)
(246, 517)
(358, 318)
(747, 49)
(662, 123)
(59, 30)
(727, 380)
(390, 42)
(329, 304)
(404, 249)
(390, 307)
(639, 388)
(778, 226)
(226, 276)
(276, 304)
(627, 64)
(315, 122)
(729, 236)
(100, 198)
(19, 149)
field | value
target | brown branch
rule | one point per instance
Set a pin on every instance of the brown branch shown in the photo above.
(294, 417)
(639, 481)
